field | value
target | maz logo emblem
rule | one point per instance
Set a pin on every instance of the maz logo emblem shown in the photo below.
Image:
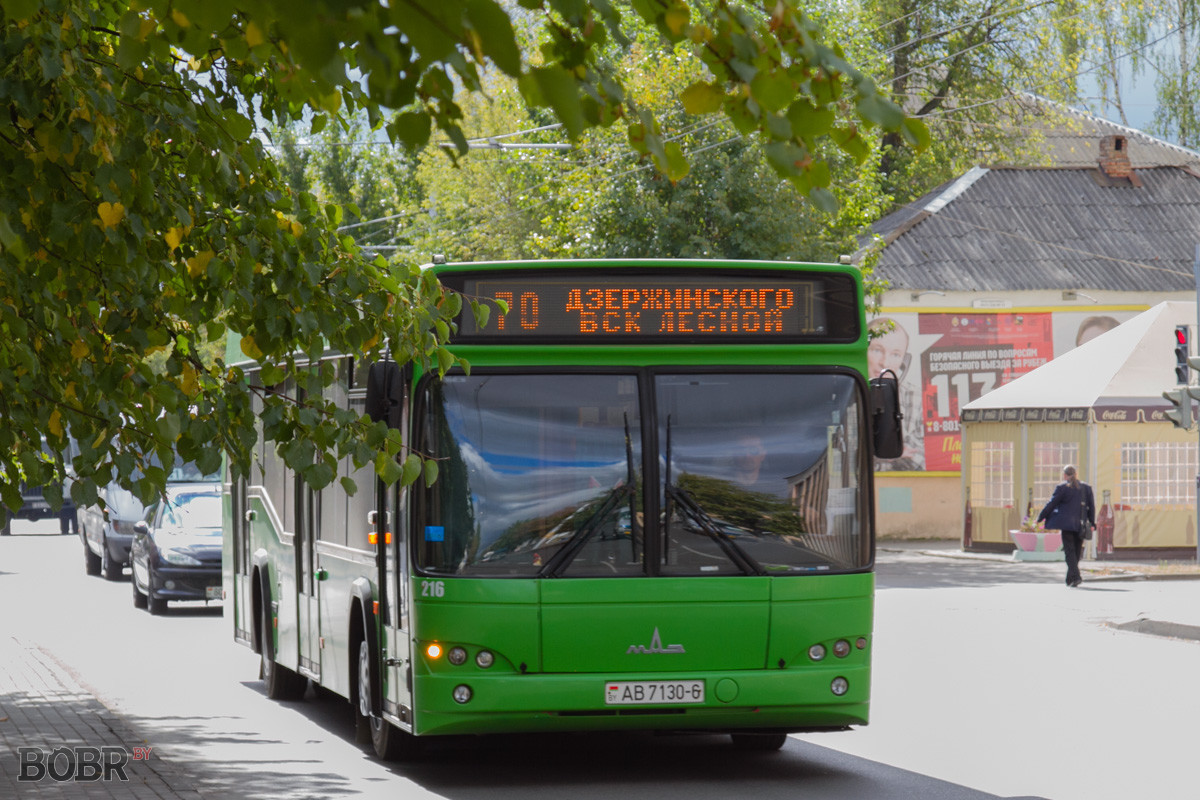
(656, 646)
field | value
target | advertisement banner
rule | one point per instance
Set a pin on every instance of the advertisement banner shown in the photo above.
(946, 360)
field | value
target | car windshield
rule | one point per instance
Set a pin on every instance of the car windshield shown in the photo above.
(191, 512)
(542, 475)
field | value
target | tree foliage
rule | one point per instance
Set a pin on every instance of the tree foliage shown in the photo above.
(141, 213)
(962, 66)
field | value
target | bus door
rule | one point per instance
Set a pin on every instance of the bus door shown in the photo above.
(387, 399)
(397, 650)
(237, 555)
(307, 582)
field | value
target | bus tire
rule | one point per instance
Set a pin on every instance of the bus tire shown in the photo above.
(282, 683)
(390, 743)
(758, 742)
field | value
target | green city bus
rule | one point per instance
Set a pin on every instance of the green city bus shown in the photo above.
(653, 512)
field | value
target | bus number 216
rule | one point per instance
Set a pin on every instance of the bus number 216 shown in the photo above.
(433, 589)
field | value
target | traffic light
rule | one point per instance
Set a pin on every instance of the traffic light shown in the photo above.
(1181, 415)
(1182, 351)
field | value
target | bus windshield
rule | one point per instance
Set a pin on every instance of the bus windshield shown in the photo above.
(544, 475)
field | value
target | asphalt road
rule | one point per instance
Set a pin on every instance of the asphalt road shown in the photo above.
(991, 680)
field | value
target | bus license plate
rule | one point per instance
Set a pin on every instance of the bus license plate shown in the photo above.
(636, 693)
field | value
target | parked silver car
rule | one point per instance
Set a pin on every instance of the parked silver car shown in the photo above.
(107, 532)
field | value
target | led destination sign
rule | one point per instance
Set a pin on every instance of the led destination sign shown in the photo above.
(623, 307)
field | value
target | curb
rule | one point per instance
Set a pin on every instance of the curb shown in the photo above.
(1153, 627)
(1124, 573)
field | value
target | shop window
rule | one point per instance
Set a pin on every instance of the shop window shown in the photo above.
(1158, 473)
(992, 474)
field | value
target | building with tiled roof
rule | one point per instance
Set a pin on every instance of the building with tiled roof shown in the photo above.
(1007, 267)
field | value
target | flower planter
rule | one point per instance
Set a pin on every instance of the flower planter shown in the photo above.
(1037, 545)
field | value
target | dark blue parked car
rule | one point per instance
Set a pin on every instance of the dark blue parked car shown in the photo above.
(176, 551)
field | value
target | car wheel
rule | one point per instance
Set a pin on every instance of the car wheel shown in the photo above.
(112, 569)
(139, 599)
(91, 561)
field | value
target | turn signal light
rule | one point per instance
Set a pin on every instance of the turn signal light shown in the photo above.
(434, 650)
(373, 538)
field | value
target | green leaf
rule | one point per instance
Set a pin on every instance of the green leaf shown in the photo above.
(10, 240)
(915, 133)
(808, 121)
(884, 113)
(555, 87)
(675, 164)
(482, 312)
(411, 469)
(496, 37)
(702, 98)
(431, 472)
(237, 126)
(823, 199)
(772, 90)
(390, 471)
(21, 10)
(445, 360)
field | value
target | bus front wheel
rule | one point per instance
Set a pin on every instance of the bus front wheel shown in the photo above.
(758, 742)
(390, 743)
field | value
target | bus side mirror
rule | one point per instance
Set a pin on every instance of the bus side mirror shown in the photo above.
(887, 421)
(385, 392)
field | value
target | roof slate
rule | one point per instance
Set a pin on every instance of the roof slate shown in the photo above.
(1047, 228)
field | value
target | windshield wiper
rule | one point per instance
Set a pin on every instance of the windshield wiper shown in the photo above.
(559, 561)
(690, 508)
(705, 523)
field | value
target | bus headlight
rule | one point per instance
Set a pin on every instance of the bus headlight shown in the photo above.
(485, 659)
(841, 648)
(816, 652)
(462, 693)
(457, 656)
(839, 686)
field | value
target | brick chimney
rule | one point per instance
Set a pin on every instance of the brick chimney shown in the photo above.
(1114, 157)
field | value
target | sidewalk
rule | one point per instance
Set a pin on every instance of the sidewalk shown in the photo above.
(1175, 622)
(60, 724)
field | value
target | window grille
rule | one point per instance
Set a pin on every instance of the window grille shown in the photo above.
(1158, 473)
(1049, 458)
(992, 474)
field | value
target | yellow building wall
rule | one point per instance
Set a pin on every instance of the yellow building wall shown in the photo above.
(918, 505)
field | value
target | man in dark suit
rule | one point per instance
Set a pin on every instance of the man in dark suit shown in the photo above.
(1071, 508)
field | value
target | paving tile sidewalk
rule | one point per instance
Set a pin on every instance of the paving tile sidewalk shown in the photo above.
(42, 706)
